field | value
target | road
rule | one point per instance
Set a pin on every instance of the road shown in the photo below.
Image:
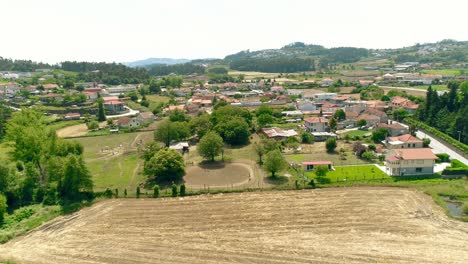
(439, 147)
(130, 112)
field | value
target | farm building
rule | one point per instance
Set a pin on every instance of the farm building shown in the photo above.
(311, 165)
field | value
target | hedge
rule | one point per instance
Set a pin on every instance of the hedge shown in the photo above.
(455, 171)
(457, 144)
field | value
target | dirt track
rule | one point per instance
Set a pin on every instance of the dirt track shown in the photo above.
(372, 225)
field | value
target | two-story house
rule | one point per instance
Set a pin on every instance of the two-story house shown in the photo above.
(403, 142)
(316, 124)
(410, 162)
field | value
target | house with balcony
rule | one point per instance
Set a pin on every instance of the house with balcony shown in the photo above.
(415, 161)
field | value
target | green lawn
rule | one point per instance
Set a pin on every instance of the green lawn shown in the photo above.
(351, 159)
(437, 87)
(358, 133)
(62, 124)
(351, 173)
(446, 72)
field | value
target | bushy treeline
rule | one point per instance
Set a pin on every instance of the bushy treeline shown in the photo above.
(109, 73)
(447, 112)
(45, 169)
(282, 64)
(22, 65)
(179, 69)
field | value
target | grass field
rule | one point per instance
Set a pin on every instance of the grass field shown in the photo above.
(446, 72)
(352, 173)
(437, 87)
(113, 160)
(357, 133)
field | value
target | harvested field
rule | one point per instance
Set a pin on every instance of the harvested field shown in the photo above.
(343, 225)
(218, 175)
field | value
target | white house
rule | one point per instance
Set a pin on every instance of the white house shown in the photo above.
(410, 162)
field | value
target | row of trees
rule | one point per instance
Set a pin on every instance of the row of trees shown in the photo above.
(48, 169)
(179, 69)
(447, 112)
(281, 64)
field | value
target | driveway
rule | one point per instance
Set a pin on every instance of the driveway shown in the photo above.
(130, 112)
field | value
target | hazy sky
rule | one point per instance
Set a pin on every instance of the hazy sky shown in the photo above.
(127, 30)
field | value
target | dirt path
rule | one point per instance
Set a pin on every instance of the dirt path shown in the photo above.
(342, 225)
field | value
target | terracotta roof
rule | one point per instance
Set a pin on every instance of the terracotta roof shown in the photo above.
(415, 154)
(50, 86)
(393, 126)
(110, 98)
(51, 95)
(314, 120)
(374, 111)
(113, 103)
(367, 117)
(317, 163)
(399, 100)
(407, 138)
(124, 121)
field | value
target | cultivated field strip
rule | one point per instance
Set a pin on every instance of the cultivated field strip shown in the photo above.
(345, 225)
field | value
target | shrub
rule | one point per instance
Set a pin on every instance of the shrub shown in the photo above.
(368, 155)
(381, 158)
(330, 144)
(93, 125)
(50, 197)
(457, 164)
(426, 142)
(108, 193)
(465, 209)
(116, 193)
(321, 171)
(156, 191)
(443, 157)
(182, 190)
(372, 147)
(138, 192)
(174, 190)
(125, 192)
(3, 207)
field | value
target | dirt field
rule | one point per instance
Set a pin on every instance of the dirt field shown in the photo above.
(218, 175)
(73, 131)
(343, 225)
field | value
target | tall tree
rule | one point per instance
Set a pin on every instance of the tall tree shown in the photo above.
(101, 112)
(274, 162)
(166, 165)
(210, 145)
(75, 180)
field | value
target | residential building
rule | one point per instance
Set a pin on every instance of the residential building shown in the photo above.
(383, 118)
(403, 142)
(278, 133)
(114, 106)
(371, 120)
(394, 129)
(10, 89)
(145, 117)
(326, 82)
(316, 124)
(91, 96)
(121, 89)
(324, 96)
(306, 106)
(416, 161)
(125, 122)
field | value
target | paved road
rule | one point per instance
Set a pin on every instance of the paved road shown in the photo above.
(438, 147)
(130, 112)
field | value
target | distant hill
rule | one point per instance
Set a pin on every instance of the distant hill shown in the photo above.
(154, 61)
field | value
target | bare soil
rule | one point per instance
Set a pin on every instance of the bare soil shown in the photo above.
(218, 175)
(73, 131)
(342, 225)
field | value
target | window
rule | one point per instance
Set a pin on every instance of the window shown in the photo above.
(414, 145)
(418, 169)
(409, 145)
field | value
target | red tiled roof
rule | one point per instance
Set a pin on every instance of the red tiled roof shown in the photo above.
(407, 138)
(415, 154)
(113, 103)
(314, 120)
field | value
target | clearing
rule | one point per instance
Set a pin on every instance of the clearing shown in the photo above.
(340, 225)
(218, 175)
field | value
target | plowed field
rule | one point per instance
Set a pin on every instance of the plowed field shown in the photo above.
(344, 225)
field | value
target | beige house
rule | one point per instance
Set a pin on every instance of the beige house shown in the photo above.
(403, 142)
(410, 162)
(316, 124)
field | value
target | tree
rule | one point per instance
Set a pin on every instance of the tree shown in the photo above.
(307, 137)
(155, 191)
(138, 192)
(210, 145)
(399, 114)
(321, 170)
(340, 114)
(166, 165)
(426, 142)
(379, 135)
(5, 114)
(3, 207)
(264, 119)
(266, 145)
(200, 125)
(330, 144)
(234, 131)
(168, 131)
(264, 109)
(178, 116)
(274, 162)
(75, 180)
(361, 122)
(332, 124)
(182, 190)
(101, 113)
(150, 149)
(174, 190)
(368, 155)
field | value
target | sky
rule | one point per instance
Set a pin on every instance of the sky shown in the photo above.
(127, 30)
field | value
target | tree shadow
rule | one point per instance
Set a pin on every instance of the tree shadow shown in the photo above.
(277, 180)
